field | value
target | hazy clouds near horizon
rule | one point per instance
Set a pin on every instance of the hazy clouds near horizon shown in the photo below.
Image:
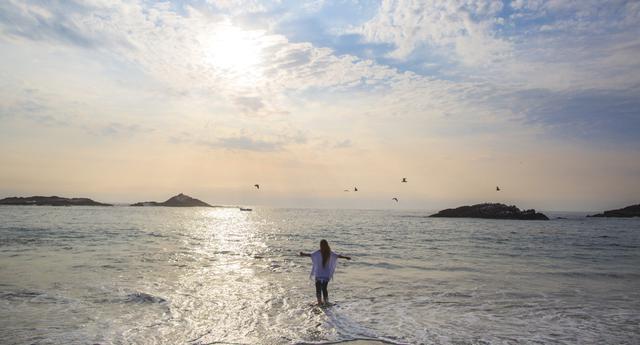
(130, 101)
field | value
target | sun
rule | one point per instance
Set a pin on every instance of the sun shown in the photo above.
(236, 53)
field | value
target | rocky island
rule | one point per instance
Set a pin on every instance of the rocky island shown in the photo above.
(626, 212)
(180, 200)
(50, 201)
(491, 211)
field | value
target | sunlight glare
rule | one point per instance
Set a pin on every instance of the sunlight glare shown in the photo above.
(236, 53)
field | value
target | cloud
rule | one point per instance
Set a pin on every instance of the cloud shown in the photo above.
(549, 44)
(227, 138)
(175, 49)
(116, 129)
(476, 61)
(244, 143)
(48, 109)
(32, 105)
(249, 104)
(68, 23)
(172, 48)
(344, 144)
(594, 115)
(456, 26)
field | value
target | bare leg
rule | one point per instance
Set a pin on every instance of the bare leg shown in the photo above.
(319, 292)
(325, 293)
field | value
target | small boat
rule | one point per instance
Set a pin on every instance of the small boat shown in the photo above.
(245, 209)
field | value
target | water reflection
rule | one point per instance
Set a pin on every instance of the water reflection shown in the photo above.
(206, 294)
(224, 294)
(241, 287)
(198, 276)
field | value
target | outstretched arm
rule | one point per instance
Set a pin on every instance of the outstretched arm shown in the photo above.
(344, 257)
(304, 254)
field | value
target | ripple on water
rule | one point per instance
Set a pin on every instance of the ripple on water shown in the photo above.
(31, 296)
(165, 276)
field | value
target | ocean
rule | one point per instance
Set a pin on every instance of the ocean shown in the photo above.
(134, 275)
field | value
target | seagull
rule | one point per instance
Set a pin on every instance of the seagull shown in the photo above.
(497, 189)
(346, 190)
(257, 186)
(404, 180)
(355, 189)
(396, 199)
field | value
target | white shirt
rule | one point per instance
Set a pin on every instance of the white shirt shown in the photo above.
(319, 272)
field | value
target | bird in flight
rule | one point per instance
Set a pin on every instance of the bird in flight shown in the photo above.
(497, 189)
(346, 190)
(257, 186)
(404, 180)
(396, 199)
(355, 189)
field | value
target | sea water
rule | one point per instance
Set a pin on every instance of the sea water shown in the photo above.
(127, 275)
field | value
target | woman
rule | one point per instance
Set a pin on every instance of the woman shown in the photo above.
(324, 263)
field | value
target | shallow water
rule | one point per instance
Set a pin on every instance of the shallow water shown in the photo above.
(125, 275)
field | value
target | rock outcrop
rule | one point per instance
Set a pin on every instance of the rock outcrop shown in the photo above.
(147, 203)
(626, 212)
(50, 201)
(180, 200)
(491, 211)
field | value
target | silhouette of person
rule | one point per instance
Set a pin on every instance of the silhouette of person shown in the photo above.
(324, 263)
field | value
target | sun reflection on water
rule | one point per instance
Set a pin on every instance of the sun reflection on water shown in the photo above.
(230, 285)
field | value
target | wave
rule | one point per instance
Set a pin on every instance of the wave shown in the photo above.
(141, 297)
(28, 295)
(579, 274)
(355, 341)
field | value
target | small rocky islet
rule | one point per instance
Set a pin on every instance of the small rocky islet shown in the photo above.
(484, 210)
(490, 211)
(180, 200)
(50, 201)
(625, 212)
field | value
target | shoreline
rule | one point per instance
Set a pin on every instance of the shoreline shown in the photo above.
(353, 342)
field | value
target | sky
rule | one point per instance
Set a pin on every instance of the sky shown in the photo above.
(125, 101)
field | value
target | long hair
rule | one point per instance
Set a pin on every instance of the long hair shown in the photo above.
(325, 250)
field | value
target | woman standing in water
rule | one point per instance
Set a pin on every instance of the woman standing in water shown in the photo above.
(324, 263)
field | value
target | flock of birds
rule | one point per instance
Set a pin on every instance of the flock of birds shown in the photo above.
(355, 189)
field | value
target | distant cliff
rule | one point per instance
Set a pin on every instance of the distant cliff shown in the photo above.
(50, 201)
(180, 200)
(626, 212)
(490, 211)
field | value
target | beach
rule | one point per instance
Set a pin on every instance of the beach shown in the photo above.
(123, 275)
